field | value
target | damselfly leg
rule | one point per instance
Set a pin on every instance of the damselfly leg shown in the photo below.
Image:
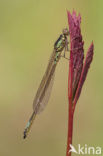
(66, 49)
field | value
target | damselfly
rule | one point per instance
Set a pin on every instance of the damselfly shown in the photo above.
(44, 90)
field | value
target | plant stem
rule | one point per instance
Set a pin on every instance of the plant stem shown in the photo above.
(70, 104)
(70, 127)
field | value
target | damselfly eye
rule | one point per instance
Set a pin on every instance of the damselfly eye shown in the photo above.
(65, 31)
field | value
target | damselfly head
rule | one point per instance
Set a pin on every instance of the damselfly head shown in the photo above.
(62, 41)
(65, 32)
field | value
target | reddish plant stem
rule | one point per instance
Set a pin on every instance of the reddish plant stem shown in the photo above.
(70, 127)
(70, 112)
(74, 105)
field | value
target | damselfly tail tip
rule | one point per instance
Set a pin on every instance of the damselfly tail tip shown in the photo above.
(24, 136)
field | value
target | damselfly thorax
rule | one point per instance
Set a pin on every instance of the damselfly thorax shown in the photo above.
(44, 90)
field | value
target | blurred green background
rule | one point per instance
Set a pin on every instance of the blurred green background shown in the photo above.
(28, 30)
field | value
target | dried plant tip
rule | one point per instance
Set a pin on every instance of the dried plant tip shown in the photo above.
(76, 51)
(85, 69)
(77, 70)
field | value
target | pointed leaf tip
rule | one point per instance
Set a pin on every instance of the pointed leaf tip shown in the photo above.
(86, 66)
(76, 51)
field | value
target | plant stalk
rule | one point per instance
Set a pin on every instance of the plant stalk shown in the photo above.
(70, 127)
